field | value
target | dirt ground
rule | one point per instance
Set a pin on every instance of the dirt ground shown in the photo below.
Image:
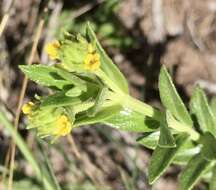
(180, 34)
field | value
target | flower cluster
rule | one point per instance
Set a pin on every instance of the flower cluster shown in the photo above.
(53, 122)
(74, 54)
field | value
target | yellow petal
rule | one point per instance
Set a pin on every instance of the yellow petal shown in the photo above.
(63, 126)
(52, 49)
(27, 108)
(92, 61)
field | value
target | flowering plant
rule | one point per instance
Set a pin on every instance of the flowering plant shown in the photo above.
(87, 88)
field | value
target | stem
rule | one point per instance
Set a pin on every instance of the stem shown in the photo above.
(143, 108)
(146, 110)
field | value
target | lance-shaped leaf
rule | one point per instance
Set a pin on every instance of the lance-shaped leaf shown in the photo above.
(129, 120)
(59, 99)
(100, 117)
(188, 150)
(166, 139)
(74, 92)
(44, 75)
(171, 99)
(163, 157)
(209, 146)
(149, 139)
(200, 108)
(106, 63)
(193, 172)
(213, 105)
(180, 127)
(101, 97)
(213, 179)
(75, 80)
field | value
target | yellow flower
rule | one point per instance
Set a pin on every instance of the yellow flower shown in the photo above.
(27, 108)
(52, 49)
(92, 61)
(63, 126)
(90, 48)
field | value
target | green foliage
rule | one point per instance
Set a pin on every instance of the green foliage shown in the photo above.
(166, 138)
(129, 120)
(106, 63)
(213, 179)
(101, 96)
(44, 75)
(149, 140)
(200, 108)
(170, 98)
(193, 172)
(163, 157)
(209, 150)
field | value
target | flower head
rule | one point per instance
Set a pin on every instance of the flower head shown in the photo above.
(52, 49)
(48, 121)
(63, 126)
(92, 61)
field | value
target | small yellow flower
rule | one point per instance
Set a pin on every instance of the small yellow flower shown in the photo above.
(27, 108)
(52, 49)
(92, 61)
(90, 48)
(63, 126)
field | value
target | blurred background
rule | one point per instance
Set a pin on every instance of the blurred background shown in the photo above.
(140, 36)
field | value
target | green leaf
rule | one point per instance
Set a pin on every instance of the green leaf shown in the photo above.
(180, 127)
(200, 108)
(59, 99)
(209, 146)
(129, 120)
(73, 92)
(187, 151)
(101, 97)
(100, 117)
(149, 139)
(166, 139)
(106, 63)
(213, 105)
(213, 179)
(44, 75)
(171, 99)
(163, 157)
(193, 171)
(73, 79)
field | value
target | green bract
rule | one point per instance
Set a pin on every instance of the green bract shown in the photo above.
(87, 88)
(72, 53)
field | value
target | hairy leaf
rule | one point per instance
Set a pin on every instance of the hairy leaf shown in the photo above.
(187, 151)
(106, 63)
(213, 105)
(129, 120)
(166, 139)
(213, 179)
(149, 139)
(163, 157)
(59, 99)
(200, 108)
(100, 117)
(44, 75)
(171, 99)
(193, 171)
(209, 146)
